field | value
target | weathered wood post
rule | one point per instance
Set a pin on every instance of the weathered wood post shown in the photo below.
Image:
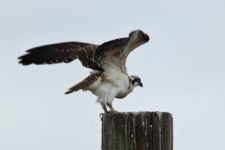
(137, 131)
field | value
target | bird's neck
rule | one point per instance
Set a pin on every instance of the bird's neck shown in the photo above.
(131, 86)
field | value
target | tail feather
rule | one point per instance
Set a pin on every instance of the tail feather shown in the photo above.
(69, 91)
(83, 85)
(73, 89)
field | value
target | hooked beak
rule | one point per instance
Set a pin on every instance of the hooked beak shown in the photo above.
(140, 84)
(146, 38)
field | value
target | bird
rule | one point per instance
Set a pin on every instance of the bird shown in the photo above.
(109, 78)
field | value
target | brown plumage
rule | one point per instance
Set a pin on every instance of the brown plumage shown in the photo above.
(84, 84)
(62, 52)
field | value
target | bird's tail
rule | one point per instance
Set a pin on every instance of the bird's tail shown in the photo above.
(84, 85)
(73, 89)
(69, 91)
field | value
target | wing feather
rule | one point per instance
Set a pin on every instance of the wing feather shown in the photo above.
(62, 52)
(116, 51)
(110, 49)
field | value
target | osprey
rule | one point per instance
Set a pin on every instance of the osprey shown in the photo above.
(109, 78)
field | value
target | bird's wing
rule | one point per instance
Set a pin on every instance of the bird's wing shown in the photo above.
(112, 52)
(62, 52)
(116, 51)
(84, 85)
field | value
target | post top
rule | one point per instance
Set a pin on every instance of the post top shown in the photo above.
(136, 113)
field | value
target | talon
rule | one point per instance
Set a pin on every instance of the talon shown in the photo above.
(112, 110)
(104, 107)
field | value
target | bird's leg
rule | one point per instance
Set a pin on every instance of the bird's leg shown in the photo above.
(111, 107)
(104, 107)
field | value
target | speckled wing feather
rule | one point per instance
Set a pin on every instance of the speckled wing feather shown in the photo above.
(110, 50)
(83, 85)
(62, 52)
(116, 51)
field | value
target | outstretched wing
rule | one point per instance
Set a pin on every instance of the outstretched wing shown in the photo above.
(110, 50)
(62, 52)
(91, 56)
(116, 51)
(84, 85)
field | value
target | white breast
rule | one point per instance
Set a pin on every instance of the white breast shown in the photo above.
(118, 78)
(114, 84)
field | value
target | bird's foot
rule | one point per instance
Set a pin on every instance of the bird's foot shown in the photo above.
(113, 111)
(104, 107)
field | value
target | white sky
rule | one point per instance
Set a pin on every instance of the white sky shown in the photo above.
(182, 68)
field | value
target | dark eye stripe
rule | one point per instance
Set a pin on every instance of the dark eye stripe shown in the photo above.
(136, 80)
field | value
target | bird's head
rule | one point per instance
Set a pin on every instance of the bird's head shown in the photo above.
(135, 81)
(139, 36)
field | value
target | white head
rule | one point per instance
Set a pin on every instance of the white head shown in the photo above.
(135, 81)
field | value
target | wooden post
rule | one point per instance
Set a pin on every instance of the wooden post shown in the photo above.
(137, 131)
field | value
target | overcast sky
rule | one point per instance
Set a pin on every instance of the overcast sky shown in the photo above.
(182, 69)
